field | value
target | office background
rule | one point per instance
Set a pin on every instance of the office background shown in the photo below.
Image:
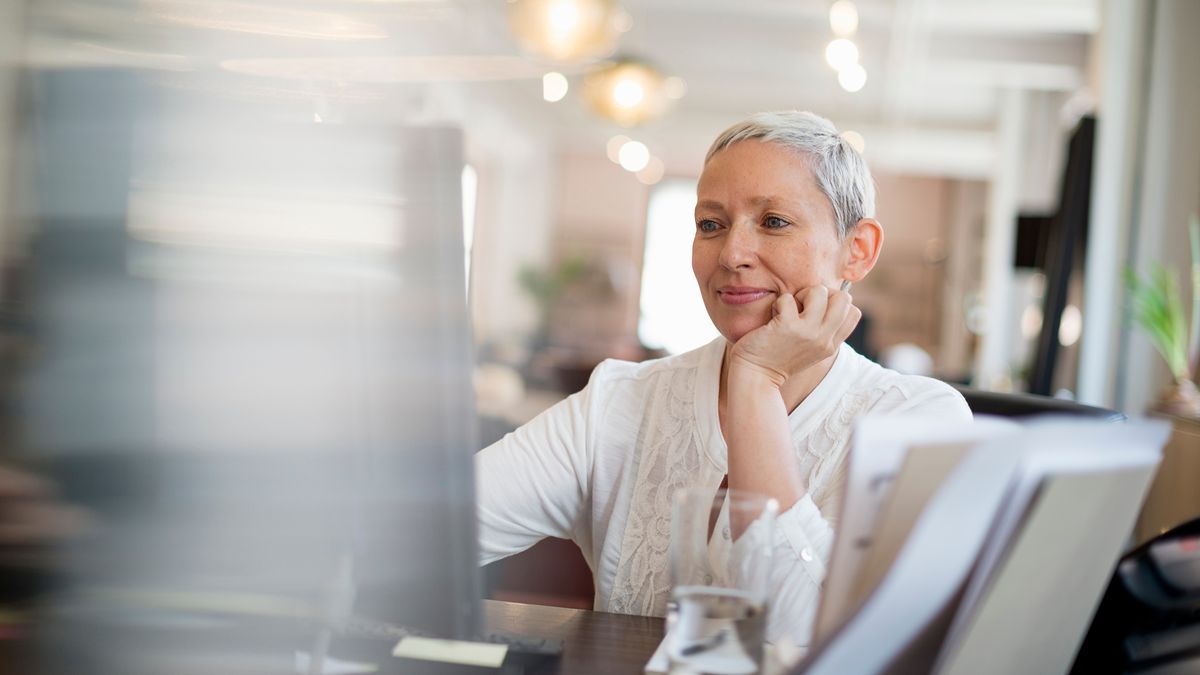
(963, 108)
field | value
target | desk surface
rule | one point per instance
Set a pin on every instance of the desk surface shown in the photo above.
(593, 642)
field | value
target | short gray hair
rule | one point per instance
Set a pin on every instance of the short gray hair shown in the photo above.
(841, 172)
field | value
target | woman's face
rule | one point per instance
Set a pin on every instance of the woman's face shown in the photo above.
(763, 228)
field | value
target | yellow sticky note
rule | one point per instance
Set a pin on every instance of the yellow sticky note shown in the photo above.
(451, 651)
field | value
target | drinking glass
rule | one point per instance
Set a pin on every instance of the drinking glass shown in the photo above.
(720, 571)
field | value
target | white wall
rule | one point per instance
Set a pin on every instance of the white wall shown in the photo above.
(513, 226)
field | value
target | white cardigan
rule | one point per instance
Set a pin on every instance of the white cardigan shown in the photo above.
(600, 468)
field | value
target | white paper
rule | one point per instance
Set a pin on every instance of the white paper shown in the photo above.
(1075, 503)
(1008, 560)
(926, 578)
(878, 449)
(482, 654)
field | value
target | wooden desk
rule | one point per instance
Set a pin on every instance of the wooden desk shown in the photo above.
(1173, 498)
(593, 642)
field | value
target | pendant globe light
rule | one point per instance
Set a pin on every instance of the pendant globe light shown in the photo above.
(566, 30)
(629, 92)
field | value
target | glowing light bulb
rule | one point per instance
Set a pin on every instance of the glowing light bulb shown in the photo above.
(554, 86)
(855, 140)
(852, 78)
(634, 156)
(652, 173)
(841, 54)
(628, 93)
(613, 148)
(843, 18)
(564, 16)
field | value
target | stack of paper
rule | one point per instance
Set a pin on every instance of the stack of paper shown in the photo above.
(978, 548)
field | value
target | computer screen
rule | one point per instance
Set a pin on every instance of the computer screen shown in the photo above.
(252, 370)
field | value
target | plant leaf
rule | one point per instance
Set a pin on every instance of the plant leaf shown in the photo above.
(1157, 307)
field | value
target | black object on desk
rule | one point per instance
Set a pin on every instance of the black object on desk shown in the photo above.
(1149, 618)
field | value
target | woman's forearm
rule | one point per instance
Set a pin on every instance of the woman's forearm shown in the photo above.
(761, 458)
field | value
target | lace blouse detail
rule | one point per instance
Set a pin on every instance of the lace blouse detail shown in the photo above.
(668, 456)
(822, 452)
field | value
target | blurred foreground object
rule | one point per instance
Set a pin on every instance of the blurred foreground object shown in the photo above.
(32, 522)
(253, 369)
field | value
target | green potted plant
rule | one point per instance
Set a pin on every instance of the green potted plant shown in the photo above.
(1157, 307)
(547, 285)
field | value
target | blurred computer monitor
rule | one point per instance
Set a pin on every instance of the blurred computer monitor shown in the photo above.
(253, 366)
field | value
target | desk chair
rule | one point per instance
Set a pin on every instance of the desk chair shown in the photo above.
(1024, 405)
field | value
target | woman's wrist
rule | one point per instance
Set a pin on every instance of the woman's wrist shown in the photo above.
(746, 373)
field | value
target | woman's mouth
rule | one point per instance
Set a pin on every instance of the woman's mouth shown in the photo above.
(741, 295)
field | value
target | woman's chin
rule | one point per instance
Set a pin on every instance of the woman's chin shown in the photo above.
(735, 331)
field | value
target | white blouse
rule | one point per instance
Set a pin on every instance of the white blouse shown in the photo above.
(600, 468)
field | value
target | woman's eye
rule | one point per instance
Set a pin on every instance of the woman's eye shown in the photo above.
(707, 226)
(775, 222)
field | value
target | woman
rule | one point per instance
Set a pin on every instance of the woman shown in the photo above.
(783, 226)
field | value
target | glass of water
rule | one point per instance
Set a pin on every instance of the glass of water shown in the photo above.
(720, 576)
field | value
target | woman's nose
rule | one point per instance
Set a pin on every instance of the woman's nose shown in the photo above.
(739, 249)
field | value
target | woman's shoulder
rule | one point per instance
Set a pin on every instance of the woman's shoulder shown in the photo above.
(892, 391)
(617, 371)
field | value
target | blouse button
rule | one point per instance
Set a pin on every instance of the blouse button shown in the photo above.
(806, 555)
(725, 533)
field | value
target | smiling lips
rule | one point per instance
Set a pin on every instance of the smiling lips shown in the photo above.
(742, 295)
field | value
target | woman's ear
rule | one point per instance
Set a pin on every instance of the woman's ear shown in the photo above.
(863, 245)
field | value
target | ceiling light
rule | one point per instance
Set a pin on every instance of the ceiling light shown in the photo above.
(855, 140)
(634, 156)
(843, 18)
(628, 92)
(852, 78)
(613, 147)
(565, 30)
(564, 16)
(841, 54)
(652, 173)
(554, 86)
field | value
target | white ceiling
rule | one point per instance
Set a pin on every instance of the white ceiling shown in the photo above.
(936, 68)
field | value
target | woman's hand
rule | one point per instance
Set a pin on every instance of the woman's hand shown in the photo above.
(798, 336)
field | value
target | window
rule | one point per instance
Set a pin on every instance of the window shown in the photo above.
(672, 313)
